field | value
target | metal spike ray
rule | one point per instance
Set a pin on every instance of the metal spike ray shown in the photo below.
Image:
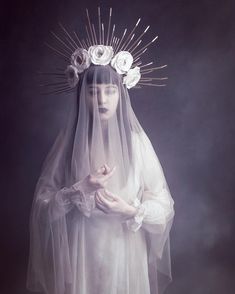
(152, 69)
(75, 34)
(150, 84)
(63, 43)
(89, 23)
(124, 33)
(137, 45)
(102, 31)
(127, 39)
(153, 79)
(99, 24)
(63, 91)
(110, 16)
(93, 28)
(153, 40)
(61, 54)
(138, 55)
(69, 36)
(88, 36)
(136, 41)
(111, 39)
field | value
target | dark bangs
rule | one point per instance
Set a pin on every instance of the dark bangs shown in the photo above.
(102, 74)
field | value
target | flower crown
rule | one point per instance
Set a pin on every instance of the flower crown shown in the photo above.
(98, 48)
(81, 59)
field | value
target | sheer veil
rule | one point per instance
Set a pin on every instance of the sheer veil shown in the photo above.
(83, 145)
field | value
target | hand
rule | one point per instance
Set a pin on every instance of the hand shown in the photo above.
(95, 181)
(113, 204)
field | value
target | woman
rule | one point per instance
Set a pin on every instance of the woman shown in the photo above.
(102, 210)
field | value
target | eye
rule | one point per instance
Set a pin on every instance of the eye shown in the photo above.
(93, 92)
(110, 91)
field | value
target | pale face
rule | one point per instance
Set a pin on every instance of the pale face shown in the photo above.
(107, 96)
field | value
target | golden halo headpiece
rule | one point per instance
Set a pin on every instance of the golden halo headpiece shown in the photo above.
(101, 47)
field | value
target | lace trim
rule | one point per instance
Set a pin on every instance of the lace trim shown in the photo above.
(135, 223)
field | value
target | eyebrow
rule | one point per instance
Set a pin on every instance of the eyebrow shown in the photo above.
(112, 86)
(108, 86)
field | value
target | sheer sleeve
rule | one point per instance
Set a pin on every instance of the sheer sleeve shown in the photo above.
(155, 207)
(155, 213)
(64, 200)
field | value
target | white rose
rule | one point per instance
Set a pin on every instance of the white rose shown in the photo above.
(132, 77)
(122, 61)
(72, 75)
(80, 59)
(100, 54)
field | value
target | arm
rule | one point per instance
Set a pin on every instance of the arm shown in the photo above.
(59, 203)
(80, 194)
(155, 209)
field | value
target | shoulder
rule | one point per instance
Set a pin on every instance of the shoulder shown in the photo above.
(141, 139)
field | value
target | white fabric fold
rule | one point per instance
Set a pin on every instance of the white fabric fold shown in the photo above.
(74, 246)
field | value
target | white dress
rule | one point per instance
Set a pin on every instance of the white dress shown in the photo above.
(110, 255)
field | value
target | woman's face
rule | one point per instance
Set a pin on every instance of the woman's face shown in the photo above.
(107, 96)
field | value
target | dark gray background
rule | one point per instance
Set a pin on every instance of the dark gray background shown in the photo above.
(190, 123)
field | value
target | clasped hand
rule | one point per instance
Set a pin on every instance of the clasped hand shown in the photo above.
(104, 199)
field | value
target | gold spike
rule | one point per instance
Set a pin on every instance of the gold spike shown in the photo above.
(121, 39)
(89, 23)
(127, 42)
(57, 51)
(58, 88)
(65, 91)
(136, 41)
(102, 27)
(84, 44)
(124, 44)
(50, 73)
(99, 20)
(137, 59)
(146, 46)
(117, 40)
(150, 84)
(88, 36)
(147, 64)
(153, 68)
(111, 39)
(62, 42)
(80, 43)
(93, 27)
(54, 84)
(67, 33)
(110, 16)
(114, 41)
(137, 64)
(140, 54)
(153, 79)
(133, 49)
(114, 49)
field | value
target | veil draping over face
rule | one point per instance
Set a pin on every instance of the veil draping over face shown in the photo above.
(97, 131)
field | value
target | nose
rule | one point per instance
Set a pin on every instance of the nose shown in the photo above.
(102, 98)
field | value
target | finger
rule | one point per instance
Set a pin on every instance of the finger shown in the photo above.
(111, 195)
(97, 200)
(100, 170)
(102, 201)
(101, 207)
(107, 169)
(108, 175)
(105, 201)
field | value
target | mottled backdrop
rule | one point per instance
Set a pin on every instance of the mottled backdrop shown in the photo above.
(190, 122)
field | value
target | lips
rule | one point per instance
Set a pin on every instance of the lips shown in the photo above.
(103, 109)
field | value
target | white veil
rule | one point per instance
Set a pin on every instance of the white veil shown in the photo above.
(80, 148)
